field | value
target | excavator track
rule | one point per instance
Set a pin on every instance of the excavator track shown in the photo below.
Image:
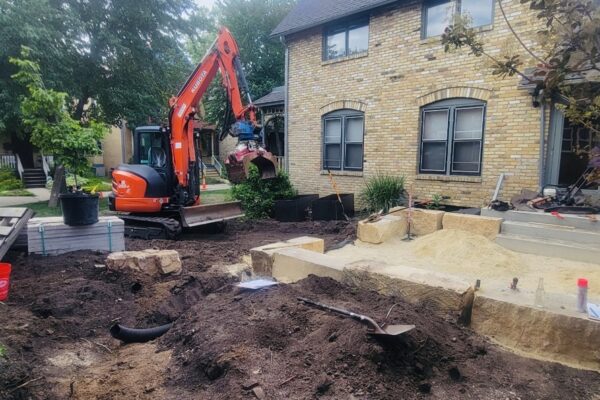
(142, 227)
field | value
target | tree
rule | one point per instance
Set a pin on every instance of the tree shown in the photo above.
(125, 55)
(45, 115)
(251, 23)
(571, 38)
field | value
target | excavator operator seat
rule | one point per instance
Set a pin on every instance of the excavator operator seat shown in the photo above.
(157, 157)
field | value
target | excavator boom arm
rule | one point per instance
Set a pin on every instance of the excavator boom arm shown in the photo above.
(222, 56)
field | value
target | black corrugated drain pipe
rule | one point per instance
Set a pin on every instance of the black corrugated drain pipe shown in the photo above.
(133, 335)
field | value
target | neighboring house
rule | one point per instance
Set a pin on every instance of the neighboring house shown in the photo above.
(34, 168)
(272, 107)
(117, 148)
(370, 89)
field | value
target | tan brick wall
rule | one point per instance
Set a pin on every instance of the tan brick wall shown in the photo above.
(401, 73)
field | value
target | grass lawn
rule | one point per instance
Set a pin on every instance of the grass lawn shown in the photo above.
(42, 210)
(16, 192)
(215, 196)
(101, 184)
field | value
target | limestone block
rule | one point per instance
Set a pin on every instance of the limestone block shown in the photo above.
(382, 230)
(569, 339)
(150, 261)
(262, 257)
(424, 222)
(293, 264)
(446, 293)
(235, 270)
(486, 226)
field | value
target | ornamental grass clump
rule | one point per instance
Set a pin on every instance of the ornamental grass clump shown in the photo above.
(383, 192)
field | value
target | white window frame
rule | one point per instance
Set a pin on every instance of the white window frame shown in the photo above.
(452, 106)
(343, 116)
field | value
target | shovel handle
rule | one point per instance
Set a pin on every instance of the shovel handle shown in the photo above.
(358, 317)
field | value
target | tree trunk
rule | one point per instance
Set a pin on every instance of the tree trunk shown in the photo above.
(58, 186)
(79, 109)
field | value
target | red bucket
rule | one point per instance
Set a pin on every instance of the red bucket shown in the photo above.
(5, 269)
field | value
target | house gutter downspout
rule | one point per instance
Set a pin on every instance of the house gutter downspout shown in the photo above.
(541, 163)
(285, 106)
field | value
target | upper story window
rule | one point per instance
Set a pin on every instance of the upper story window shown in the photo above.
(452, 137)
(346, 39)
(343, 137)
(437, 14)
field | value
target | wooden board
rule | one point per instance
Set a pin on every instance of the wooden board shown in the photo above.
(12, 221)
(12, 212)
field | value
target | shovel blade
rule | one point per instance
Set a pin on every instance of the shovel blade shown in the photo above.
(394, 330)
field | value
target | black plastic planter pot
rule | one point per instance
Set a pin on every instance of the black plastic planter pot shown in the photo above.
(294, 209)
(79, 208)
(328, 208)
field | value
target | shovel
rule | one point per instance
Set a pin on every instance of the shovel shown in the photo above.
(372, 327)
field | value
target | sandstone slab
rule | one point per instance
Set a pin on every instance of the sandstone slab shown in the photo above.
(485, 226)
(446, 293)
(293, 264)
(150, 261)
(385, 228)
(263, 256)
(570, 339)
(424, 221)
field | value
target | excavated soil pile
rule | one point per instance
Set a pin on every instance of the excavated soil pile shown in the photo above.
(57, 317)
(227, 344)
(226, 347)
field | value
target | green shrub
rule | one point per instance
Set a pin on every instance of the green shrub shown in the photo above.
(258, 195)
(383, 192)
(8, 180)
(6, 174)
(436, 202)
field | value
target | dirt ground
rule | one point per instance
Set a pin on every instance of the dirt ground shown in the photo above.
(228, 344)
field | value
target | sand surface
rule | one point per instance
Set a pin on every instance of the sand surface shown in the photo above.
(473, 257)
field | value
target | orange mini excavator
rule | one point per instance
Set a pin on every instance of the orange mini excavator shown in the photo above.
(160, 191)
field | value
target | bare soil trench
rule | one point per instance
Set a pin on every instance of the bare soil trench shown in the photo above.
(227, 344)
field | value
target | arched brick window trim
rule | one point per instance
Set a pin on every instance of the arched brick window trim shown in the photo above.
(344, 104)
(455, 92)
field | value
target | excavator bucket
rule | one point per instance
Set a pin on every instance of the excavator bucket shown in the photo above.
(238, 165)
(207, 214)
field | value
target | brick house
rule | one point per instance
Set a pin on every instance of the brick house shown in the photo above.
(370, 89)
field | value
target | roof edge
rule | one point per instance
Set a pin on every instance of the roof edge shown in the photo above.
(288, 32)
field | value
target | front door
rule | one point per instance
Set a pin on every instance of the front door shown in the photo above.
(206, 146)
(568, 148)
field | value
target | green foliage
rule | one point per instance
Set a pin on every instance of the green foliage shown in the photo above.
(90, 183)
(383, 192)
(436, 202)
(52, 128)
(258, 195)
(251, 23)
(2, 351)
(126, 57)
(8, 180)
(570, 48)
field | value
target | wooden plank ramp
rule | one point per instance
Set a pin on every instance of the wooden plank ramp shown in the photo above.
(12, 221)
(50, 236)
